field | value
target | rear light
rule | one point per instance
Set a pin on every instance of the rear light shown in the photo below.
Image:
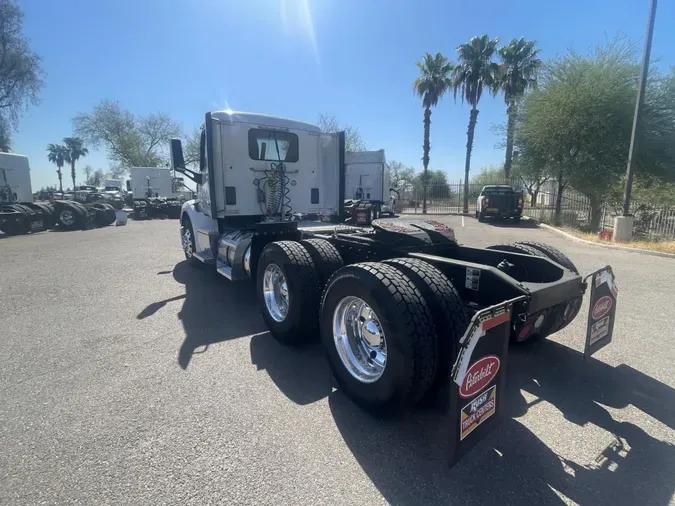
(520, 201)
(487, 200)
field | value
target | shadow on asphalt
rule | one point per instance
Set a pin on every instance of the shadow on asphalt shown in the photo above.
(510, 223)
(406, 458)
(302, 374)
(214, 310)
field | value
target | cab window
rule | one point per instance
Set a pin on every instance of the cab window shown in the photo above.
(272, 146)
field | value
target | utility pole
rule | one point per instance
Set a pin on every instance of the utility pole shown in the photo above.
(638, 106)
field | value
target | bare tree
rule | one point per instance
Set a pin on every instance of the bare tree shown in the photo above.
(353, 140)
(130, 141)
(191, 149)
(93, 177)
(21, 76)
(5, 137)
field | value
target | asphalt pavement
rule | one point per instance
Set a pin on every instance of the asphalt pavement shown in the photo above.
(127, 377)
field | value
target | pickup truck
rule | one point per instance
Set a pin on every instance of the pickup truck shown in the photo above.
(499, 201)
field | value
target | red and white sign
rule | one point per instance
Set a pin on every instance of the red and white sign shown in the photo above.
(479, 375)
(602, 307)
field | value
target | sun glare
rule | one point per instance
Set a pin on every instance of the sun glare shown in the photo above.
(296, 16)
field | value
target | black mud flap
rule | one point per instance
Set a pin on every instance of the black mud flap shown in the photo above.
(602, 311)
(477, 392)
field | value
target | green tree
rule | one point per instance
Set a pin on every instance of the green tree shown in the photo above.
(474, 72)
(437, 180)
(489, 175)
(56, 153)
(578, 123)
(401, 177)
(21, 76)
(130, 141)
(74, 151)
(518, 73)
(353, 140)
(434, 81)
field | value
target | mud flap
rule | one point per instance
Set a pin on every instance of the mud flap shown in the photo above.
(602, 311)
(477, 392)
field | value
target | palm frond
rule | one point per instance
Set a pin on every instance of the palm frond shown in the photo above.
(434, 80)
(475, 69)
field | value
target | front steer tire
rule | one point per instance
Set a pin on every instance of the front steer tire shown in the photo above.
(188, 236)
(300, 325)
(409, 335)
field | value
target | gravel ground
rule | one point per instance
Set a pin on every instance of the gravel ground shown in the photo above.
(127, 377)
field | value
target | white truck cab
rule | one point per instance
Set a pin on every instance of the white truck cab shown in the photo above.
(15, 178)
(255, 169)
(367, 178)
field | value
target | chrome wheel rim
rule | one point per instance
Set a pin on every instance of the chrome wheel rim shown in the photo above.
(67, 217)
(187, 243)
(359, 339)
(275, 291)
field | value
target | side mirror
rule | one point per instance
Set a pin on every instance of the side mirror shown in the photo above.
(177, 160)
(128, 185)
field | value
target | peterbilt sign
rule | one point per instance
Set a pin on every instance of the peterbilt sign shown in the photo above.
(479, 375)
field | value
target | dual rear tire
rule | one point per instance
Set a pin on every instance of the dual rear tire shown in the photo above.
(390, 329)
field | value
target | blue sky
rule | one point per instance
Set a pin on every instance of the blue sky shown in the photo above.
(297, 58)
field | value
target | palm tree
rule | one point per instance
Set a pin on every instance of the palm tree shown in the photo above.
(74, 151)
(518, 73)
(434, 81)
(475, 71)
(56, 153)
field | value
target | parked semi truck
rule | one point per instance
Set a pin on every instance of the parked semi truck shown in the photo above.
(368, 191)
(156, 193)
(20, 215)
(402, 309)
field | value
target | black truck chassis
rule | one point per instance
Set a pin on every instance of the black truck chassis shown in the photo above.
(456, 307)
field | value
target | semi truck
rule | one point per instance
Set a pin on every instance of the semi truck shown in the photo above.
(20, 215)
(156, 193)
(403, 310)
(368, 192)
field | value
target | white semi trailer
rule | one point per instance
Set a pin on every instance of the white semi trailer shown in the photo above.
(401, 308)
(368, 182)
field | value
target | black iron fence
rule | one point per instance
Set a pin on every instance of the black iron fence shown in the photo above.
(652, 221)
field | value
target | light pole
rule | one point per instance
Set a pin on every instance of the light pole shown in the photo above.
(623, 225)
(638, 106)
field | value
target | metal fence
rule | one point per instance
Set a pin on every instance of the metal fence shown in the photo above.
(652, 221)
(442, 198)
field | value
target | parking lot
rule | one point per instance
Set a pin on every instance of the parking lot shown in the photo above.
(127, 377)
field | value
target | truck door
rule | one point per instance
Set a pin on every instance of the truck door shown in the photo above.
(332, 162)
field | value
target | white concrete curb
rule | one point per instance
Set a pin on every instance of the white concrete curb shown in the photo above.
(608, 246)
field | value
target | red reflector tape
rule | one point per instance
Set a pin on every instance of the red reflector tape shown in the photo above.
(496, 320)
